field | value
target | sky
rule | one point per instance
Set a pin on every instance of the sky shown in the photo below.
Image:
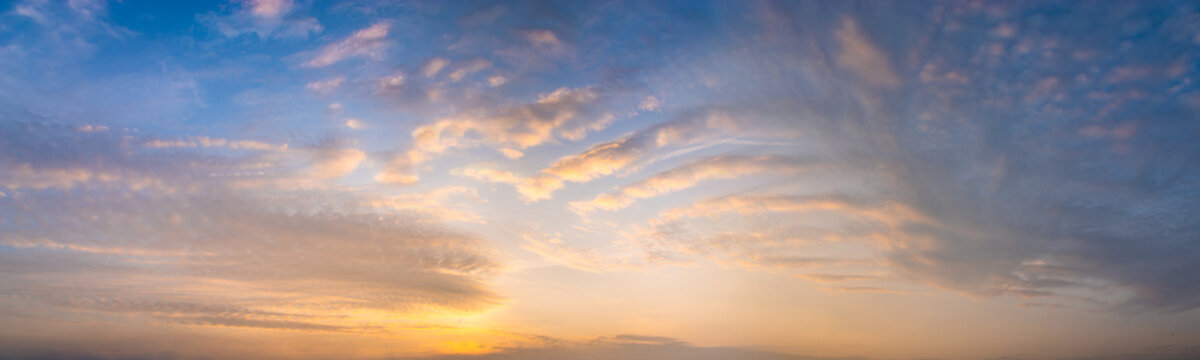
(452, 180)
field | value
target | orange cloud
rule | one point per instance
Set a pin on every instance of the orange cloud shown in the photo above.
(332, 163)
(607, 158)
(560, 113)
(721, 167)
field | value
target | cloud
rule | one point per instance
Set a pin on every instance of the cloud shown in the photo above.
(634, 347)
(487, 173)
(207, 142)
(71, 22)
(566, 113)
(91, 128)
(434, 66)
(369, 42)
(265, 18)
(269, 8)
(325, 86)
(333, 162)
(497, 80)
(650, 103)
(543, 38)
(555, 250)
(25, 176)
(198, 249)
(786, 233)
(439, 204)
(355, 124)
(1018, 174)
(893, 215)
(536, 48)
(721, 167)
(865, 289)
(862, 58)
(391, 81)
(338, 261)
(607, 158)
(469, 68)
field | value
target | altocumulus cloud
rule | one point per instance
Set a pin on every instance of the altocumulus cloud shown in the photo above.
(1027, 161)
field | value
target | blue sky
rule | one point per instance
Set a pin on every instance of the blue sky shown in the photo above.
(758, 179)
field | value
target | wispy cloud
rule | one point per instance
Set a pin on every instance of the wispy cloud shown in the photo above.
(207, 142)
(607, 158)
(325, 86)
(370, 42)
(860, 56)
(466, 69)
(170, 180)
(721, 167)
(264, 18)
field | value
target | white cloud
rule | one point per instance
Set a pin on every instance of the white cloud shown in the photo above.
(369, 42)
(270, 8)
(325, 86)
(265, 18)
(391, 81)
(207, 142)
(91, 128)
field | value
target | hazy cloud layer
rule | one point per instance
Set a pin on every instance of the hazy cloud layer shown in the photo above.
(856, 174)
(635, 347)
(108, 223)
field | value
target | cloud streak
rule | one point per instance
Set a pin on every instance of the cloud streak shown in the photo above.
(607, 158)
(369, 42)
(721, 167)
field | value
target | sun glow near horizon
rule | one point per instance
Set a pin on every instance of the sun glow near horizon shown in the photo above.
(599, 179)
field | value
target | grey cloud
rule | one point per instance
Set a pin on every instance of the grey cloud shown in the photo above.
(1009, 160)
(1052, 162)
